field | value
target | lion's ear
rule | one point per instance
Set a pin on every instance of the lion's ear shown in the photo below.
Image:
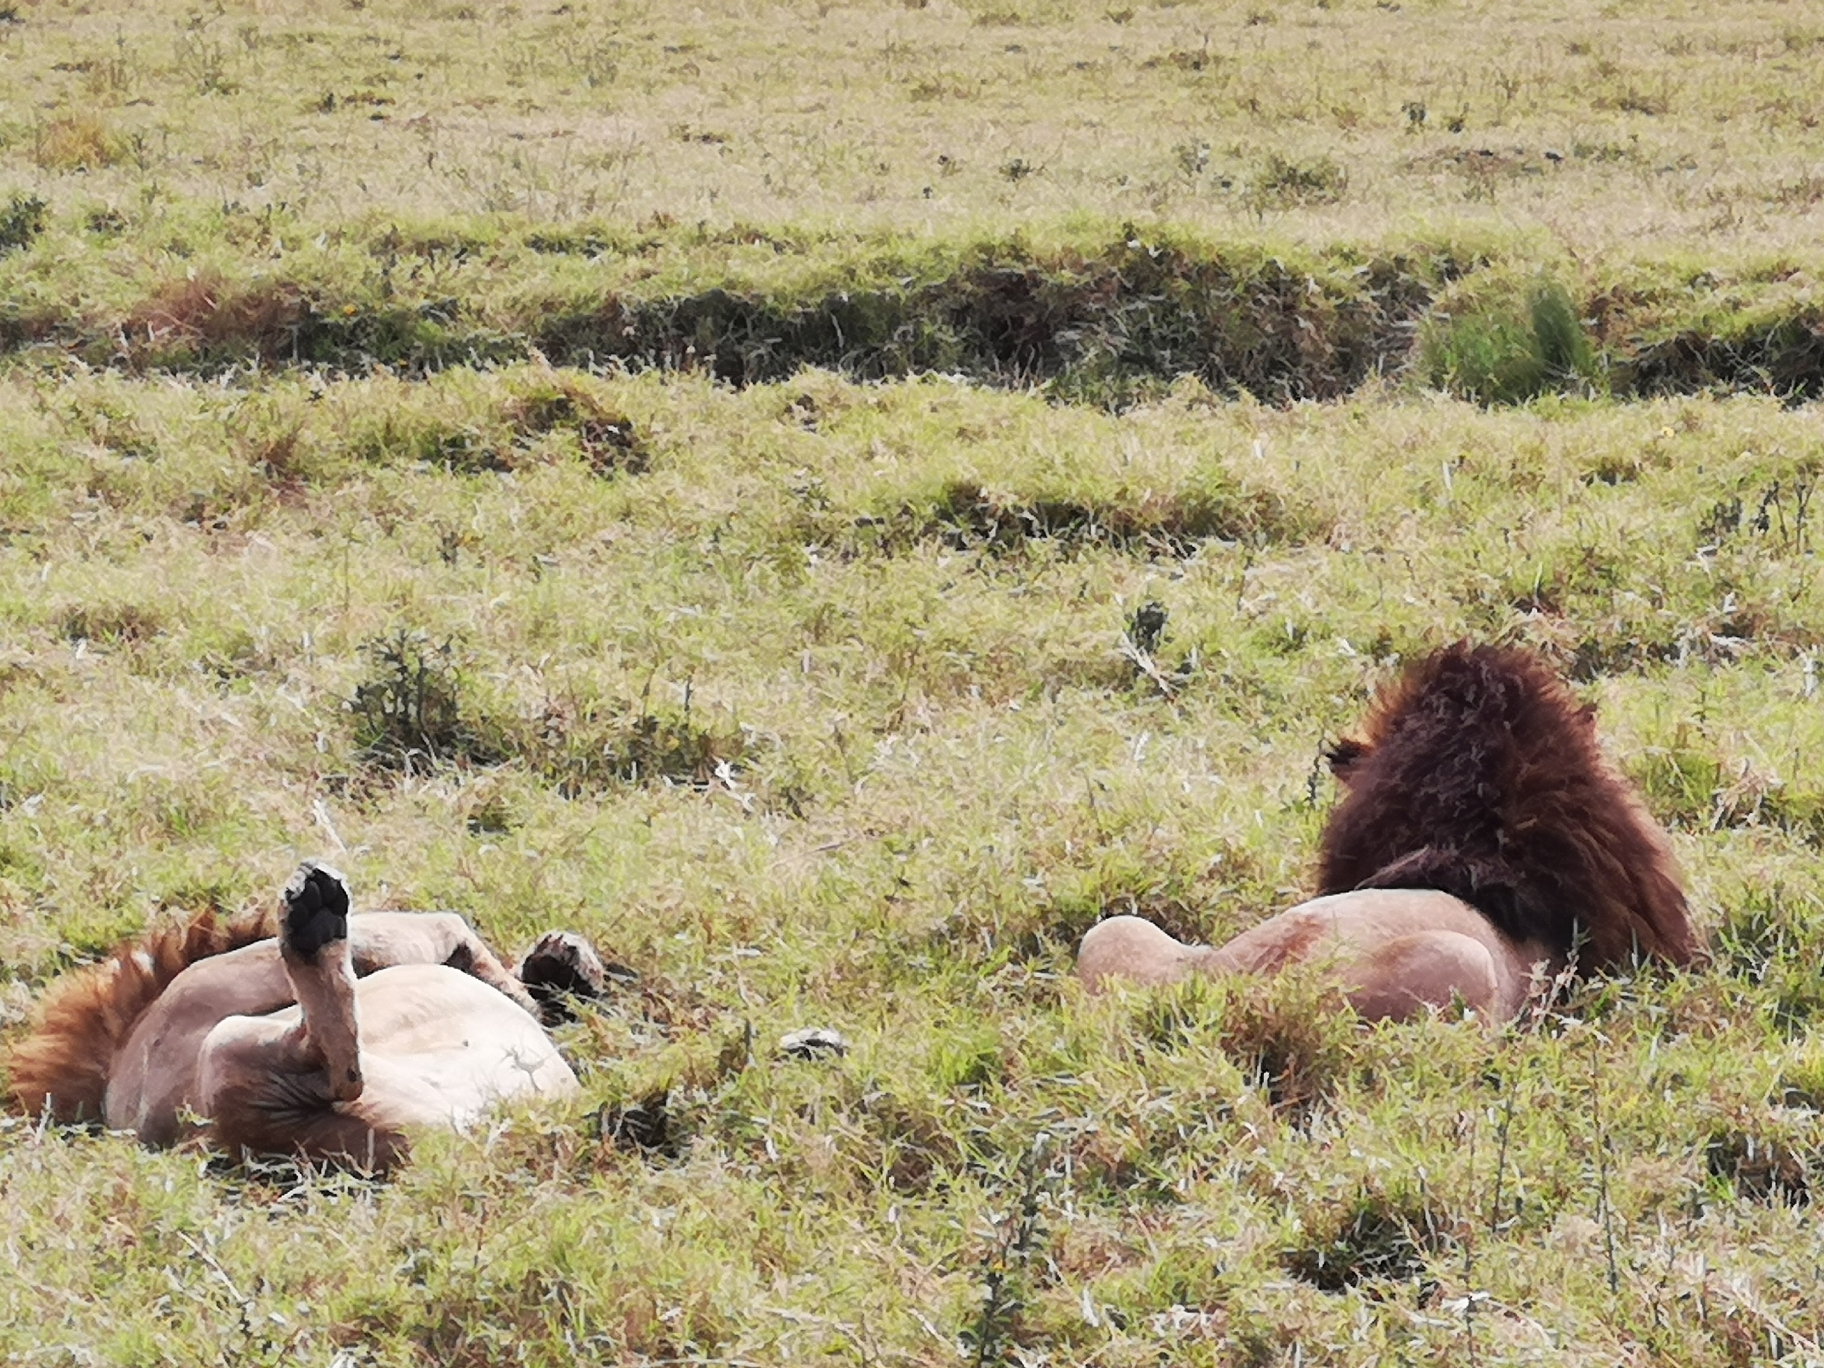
(1587, 715)
(1346, 756)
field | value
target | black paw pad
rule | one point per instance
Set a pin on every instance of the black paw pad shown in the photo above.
(563, 965)
(316, 909)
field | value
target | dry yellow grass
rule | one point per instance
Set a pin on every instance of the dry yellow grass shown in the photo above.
(1599, 129)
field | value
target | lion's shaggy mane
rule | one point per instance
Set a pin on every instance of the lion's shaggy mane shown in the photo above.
(1478, 773)
(61, 1066)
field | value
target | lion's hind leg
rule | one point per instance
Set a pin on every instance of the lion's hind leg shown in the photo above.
(1133, 950)
(265, 1091)
(1404, 978)
(560, 967)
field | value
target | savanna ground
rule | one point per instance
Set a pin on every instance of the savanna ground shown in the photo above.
(713, 480)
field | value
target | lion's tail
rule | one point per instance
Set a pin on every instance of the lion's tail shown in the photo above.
(62, 1064)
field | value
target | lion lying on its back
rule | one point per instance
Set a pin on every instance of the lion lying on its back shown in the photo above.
(323, 1032)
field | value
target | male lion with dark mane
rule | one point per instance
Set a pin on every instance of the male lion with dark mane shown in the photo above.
(1482, 839)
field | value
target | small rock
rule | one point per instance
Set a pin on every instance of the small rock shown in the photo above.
(813, 1042)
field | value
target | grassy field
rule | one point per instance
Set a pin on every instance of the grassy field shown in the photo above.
(1641, 121)
(1271, 197)
(689, 478)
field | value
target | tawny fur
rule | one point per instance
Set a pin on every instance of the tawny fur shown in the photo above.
(61, 1065)
(330, 1034)
(1479, 774)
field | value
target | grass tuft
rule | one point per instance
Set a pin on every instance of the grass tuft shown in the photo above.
(1765, 1163)
(969, 517)
(77, 142)
(1379, 1237)
(994, 1334)
(21, 222)
(1506, 349)
(587, 746)
(647, 1126)
(111, 624)
(1293, 1034)
(418, 708)
(410, 711)
(1283, 182)
(607, 440)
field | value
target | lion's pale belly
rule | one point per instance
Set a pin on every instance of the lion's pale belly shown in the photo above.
(440, 1048)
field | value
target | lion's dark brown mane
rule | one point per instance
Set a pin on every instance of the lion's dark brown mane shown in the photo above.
(1478, 773)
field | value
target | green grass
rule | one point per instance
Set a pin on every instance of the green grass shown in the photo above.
(909, 766)
(689, 477)
(1512, 348)
(1093, 313)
